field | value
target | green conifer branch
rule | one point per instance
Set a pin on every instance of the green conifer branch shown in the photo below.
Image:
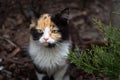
(106, 59)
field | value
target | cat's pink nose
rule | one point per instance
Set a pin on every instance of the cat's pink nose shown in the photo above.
(45, 39)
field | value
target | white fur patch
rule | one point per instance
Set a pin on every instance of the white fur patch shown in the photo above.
(49, 58)
(46, 35)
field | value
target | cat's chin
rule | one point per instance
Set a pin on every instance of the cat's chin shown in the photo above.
(45, 44)
(48, 45)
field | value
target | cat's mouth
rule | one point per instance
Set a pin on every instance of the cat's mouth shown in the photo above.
(49, 45)
(46, 43)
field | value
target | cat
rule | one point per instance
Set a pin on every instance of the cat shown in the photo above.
(49, 47)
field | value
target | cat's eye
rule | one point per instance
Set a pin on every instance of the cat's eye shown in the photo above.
(39, 31)
(55, 31)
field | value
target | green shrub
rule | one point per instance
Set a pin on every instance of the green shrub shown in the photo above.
(104, 60)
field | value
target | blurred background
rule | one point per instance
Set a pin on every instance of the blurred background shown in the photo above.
(15, 18)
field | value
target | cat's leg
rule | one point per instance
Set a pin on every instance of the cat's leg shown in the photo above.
(40, 76)
(66, 77)
(61, 74)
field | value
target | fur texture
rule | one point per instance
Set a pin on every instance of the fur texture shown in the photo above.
(49, 59)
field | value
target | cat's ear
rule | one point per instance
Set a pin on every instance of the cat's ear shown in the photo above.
(33, 22)
(64, 14)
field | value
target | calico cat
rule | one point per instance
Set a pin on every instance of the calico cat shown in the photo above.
(49, 47)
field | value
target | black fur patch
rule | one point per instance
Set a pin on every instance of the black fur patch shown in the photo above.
(36, 35)
(47, 78)
(39, 70)
(62, 25)
(51, 45)
(43, 72)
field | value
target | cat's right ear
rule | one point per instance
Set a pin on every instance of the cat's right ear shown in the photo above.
(33, 23)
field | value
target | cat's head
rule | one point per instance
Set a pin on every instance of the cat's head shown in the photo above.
(50, 30)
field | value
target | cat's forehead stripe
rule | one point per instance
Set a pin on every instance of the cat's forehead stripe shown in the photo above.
(45, 21)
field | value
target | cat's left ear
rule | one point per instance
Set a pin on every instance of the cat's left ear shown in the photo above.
(63, 15)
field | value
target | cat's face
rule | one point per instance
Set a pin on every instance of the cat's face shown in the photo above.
(49, 31)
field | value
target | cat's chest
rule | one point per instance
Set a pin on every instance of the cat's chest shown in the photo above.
(49, 58)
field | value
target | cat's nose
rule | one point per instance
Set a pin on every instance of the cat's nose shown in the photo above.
(45, 39)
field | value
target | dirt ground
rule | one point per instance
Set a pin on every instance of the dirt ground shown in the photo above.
(15, 16)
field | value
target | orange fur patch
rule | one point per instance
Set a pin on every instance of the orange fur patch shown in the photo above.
(55, 36)
(44, 21)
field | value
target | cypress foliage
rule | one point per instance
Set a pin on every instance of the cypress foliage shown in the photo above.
(104, 60)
